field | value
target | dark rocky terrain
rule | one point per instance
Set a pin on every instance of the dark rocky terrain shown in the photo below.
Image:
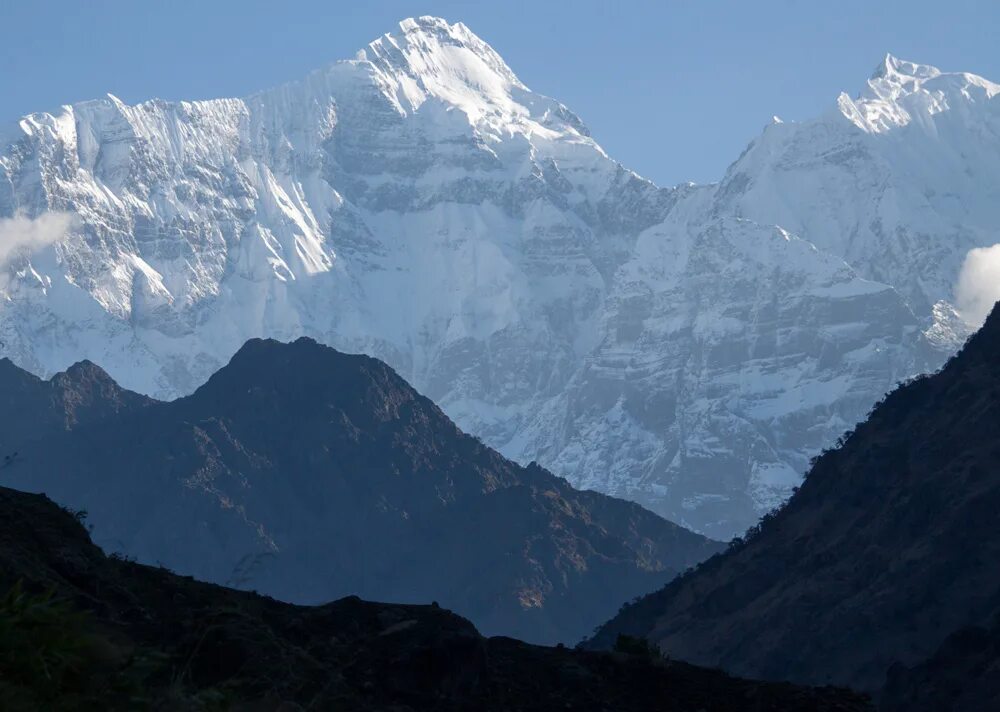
(82, 631)
(963, 674)
(308, 474)
(885, 560)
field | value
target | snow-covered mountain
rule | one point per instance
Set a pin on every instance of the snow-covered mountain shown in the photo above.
(420, 204)
(900, 181)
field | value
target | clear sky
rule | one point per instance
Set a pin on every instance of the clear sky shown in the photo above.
(672, 89)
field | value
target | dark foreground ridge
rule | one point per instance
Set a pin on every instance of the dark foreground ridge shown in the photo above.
(308, 475)
(884, 561)
(79, 630)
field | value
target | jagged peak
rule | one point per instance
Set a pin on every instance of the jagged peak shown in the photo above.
(892, 67)
(896, 79)
(429, 24)
(899, 89)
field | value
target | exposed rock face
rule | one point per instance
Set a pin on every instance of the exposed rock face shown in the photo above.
(307, 474)
(421, 205)
(884, 559)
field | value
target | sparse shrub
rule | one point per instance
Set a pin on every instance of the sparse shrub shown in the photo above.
(637, 647)
(247, 568)
(80, 515)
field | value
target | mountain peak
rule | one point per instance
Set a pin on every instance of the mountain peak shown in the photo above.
(429, 24)
(899, 90)
(86, 369)
(304, 375)
(270, 353)
(896, 79)
(434, 33)
(897, 69)
(431, 58)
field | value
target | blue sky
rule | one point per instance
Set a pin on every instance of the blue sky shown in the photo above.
(673, 90)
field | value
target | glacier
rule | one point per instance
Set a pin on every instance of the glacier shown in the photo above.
(689, 347)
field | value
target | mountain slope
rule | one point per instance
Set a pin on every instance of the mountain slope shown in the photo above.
(308, 474)
(887, 549)
(962, 674)
(418, 203)
(118, 635)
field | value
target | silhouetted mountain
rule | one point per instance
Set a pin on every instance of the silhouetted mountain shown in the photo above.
(308, 474)
(79, 630)
(890, 546)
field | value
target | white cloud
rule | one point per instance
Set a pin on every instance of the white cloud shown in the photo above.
(20, 235)
(978, 287)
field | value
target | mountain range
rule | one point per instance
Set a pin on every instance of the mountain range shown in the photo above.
(605, 374)
(689, 348)
(880, 572)
(308, 475)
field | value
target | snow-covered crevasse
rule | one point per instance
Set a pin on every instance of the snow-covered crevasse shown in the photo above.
(420, 204)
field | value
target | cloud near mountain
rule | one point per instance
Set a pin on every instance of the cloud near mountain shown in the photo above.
(978, 287)
(20, 234)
